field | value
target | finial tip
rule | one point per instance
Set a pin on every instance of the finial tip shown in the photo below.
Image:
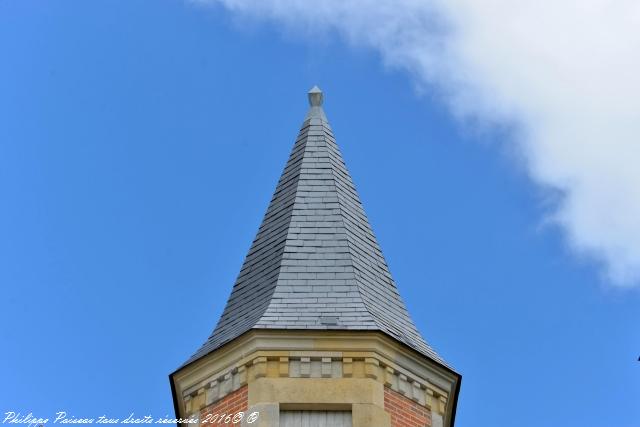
(315, 97)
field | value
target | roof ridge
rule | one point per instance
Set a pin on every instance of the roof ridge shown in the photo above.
(414, 338)
(349, 244)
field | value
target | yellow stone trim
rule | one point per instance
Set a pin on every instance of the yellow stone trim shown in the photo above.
(283, 367)
(307, 391)
(363, 396)
(330, 360)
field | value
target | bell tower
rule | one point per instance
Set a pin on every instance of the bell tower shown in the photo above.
(315, 332)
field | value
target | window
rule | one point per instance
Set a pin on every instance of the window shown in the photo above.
(315, 419)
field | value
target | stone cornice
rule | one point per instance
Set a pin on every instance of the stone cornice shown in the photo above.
(314, 354)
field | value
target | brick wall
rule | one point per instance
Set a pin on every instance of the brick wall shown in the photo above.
(232, 403)
(404, 411)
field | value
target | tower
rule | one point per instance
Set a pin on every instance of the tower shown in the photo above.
(315, 332)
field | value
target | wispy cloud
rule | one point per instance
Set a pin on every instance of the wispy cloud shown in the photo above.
(566, 73)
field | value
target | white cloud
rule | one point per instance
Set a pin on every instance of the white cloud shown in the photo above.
(566, 72)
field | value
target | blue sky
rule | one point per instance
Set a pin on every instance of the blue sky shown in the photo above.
(139, 147)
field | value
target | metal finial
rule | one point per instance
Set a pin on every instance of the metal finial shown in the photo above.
(315, 97)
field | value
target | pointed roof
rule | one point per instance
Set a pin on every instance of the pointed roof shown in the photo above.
(315, 263)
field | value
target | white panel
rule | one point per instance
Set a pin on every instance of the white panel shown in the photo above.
(315, 419)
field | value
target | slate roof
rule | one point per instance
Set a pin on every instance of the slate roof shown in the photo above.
(315, 263)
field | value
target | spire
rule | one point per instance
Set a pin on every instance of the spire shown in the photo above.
(315, 262)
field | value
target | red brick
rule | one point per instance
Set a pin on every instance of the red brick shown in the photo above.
(232, 403)
(404, 411)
